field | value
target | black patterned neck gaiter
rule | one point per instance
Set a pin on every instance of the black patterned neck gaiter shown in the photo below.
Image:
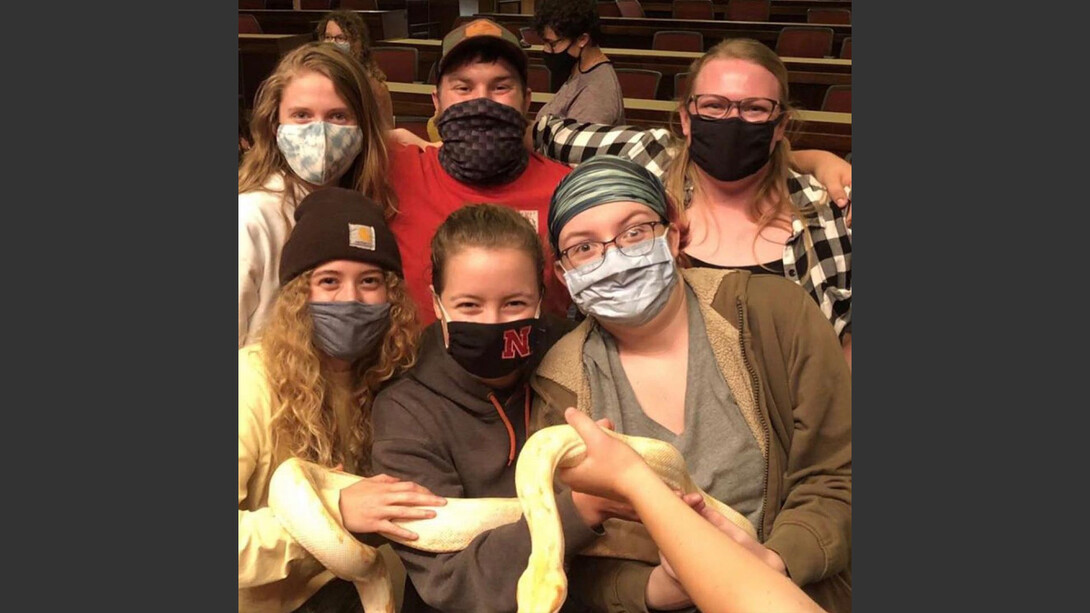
(482, 142)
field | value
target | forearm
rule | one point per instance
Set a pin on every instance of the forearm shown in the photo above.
(573, 142)
(808, 161)
(719, 574)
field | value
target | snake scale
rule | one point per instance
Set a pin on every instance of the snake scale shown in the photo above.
(296, 500)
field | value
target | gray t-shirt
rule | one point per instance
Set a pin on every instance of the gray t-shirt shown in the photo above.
(719, 448)
(593, 96)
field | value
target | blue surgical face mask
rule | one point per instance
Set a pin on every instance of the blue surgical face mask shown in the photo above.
(349, 330)
(345, 46)
(625, 290)
(319, 152)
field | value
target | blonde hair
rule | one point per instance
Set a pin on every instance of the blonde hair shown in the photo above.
(304, 394)
(773, 188)
(264, 159)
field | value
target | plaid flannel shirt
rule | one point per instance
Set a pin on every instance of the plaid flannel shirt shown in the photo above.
(827, 276)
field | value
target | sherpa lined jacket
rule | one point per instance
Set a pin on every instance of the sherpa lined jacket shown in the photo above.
(785, 367)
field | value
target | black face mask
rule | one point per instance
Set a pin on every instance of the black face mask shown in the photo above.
(731, 149)
(482, 142)
(490, 351)
(560, 65)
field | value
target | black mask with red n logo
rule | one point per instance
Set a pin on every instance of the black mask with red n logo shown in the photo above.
(490, 351)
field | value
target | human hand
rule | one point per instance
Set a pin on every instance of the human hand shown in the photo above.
(766, 555)
(594, 509)
(607, 467)
(371, 504)
(836, 176)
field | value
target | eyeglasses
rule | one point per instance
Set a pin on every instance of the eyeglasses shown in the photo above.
(340, 38)
(752, 110)
(635, 240)
(551, 47)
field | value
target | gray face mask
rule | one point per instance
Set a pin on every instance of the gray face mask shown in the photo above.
(348, 330)
(345, 46)
(625, 290)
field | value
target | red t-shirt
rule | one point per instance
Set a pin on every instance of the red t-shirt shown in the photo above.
(426, 195)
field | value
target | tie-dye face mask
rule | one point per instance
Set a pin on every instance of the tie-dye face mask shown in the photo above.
(319, 152)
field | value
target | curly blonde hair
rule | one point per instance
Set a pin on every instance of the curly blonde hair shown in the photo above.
(306, 399)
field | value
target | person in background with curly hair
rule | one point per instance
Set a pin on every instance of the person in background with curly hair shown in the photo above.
(342, 326)
(583, 78)
(347, 30)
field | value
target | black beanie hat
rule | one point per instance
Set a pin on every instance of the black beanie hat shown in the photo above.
(333, 223)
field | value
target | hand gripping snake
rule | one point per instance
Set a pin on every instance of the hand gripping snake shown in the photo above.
(294, 497)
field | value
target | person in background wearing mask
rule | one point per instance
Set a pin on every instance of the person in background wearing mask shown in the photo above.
(341, 326)
(315, 123)
(347, 30)
(482, 99)
(740, 372)
(583, 78)
(456, 422)
(729, 174)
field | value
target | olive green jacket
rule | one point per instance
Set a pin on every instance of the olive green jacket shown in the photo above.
(785, 367)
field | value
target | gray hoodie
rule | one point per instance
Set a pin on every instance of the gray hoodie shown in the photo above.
(441, 427)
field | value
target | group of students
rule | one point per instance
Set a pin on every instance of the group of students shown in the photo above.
(413, 313)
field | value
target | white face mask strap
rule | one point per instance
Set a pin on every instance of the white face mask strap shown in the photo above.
(442, 309)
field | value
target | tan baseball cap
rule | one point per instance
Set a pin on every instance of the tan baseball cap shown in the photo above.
(484, 32)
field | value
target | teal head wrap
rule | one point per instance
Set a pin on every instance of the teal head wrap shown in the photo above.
(601, 180)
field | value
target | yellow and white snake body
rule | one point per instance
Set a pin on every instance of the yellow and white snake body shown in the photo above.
(295, 500)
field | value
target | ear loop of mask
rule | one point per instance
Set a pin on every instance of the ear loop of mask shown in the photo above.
(446, 318)
(442, 309)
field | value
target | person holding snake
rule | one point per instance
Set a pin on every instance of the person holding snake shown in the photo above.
(741, 373)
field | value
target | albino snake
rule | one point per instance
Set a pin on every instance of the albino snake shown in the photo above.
(294, 498)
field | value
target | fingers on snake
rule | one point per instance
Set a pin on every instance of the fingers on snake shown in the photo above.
(414, 498)
(407, 513)
(694, 500)
(392, 530)
(726, 526)
(409, 486)
(624, 511)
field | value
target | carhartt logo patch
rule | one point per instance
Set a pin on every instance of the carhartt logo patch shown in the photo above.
(361, 237)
